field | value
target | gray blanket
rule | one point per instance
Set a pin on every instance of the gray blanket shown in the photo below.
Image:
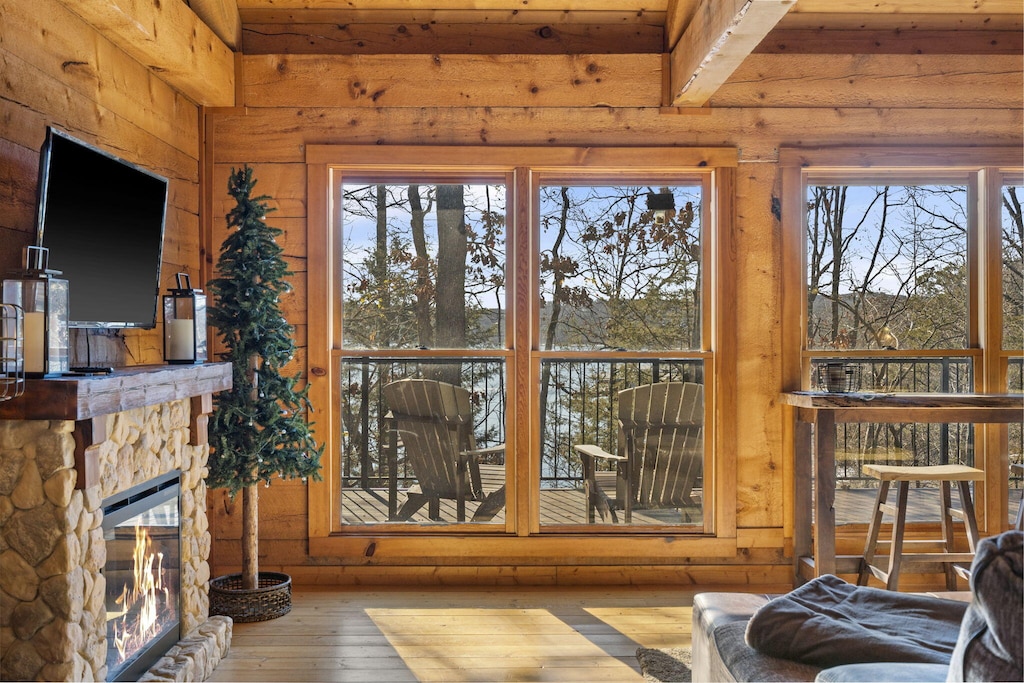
(828, 622)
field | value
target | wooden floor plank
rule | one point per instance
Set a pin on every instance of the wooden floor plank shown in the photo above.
(535, 634)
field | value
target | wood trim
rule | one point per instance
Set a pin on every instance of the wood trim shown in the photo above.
(525, 510)
(454, 549)
(987, 259)
(992, 503)
(760, 573)
(931, 159)
(794, 265)
(546, 159)
(723, 334)
(88, 435)
(321, 325)
(199, 419)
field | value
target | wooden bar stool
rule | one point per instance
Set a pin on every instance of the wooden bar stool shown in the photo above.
(951, 560)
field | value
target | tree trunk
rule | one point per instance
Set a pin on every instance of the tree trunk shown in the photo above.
(250, 503)
(250, 537)
(558, 280)
(380, 266)
(424, 288)
(452, 251)
(837, 259)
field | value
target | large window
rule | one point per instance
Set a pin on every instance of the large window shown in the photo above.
(422, 298)
(887, 290)
(902, 266)
(521, 341)
(887, 268)
(621, 306)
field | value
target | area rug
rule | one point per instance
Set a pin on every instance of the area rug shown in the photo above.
(670, 665)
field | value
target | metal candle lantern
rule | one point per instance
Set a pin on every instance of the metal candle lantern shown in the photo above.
(185, 323)
(12, 333)
(43, 299)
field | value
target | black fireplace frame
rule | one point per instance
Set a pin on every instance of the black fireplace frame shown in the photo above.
(121, 507)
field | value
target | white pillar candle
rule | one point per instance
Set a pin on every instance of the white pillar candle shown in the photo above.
(182, 338)
(35, 341)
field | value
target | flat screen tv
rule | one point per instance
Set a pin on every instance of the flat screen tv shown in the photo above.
(102, 220)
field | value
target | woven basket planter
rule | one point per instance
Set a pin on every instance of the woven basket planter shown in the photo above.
(271, 598)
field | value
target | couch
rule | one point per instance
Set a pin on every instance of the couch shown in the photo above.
(828, 630)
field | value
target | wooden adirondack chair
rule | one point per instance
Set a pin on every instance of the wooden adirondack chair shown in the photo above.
(435, 422)
(660, 452)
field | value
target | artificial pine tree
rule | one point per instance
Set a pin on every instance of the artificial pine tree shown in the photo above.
(258, 430)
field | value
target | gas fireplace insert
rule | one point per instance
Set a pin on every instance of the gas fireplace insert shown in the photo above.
(141, 528)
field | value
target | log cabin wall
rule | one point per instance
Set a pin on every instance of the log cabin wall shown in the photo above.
(74, 65)
(59, 69)
(801, 87)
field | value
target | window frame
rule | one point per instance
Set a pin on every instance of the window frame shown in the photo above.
(986, 169)
(521, 167)
(583, 178)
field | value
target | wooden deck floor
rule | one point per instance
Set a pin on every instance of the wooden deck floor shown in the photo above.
(565, 506)
(522, 634)
(557, 507)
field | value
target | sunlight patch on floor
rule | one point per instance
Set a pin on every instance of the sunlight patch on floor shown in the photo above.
(504, 644)
(658, 627)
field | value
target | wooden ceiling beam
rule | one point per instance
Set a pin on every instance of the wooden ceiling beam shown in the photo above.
(523, 81)
(720, 36)
(678, 15)
(405, 5)
(273, 14)
(439, 38)
(170, 40)
(862, 7)
(223, 19)
(902, 22)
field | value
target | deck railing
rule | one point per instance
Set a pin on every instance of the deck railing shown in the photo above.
(910, 443)
(580, 398)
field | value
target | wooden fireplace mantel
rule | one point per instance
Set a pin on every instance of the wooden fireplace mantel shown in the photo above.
(85, 397)
(87, 400)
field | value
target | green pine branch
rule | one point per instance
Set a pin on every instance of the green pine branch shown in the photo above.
(259, 428)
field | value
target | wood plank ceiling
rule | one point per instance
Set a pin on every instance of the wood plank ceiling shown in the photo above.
(704, 40)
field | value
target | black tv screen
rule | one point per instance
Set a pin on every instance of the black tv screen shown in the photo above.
(102, 220)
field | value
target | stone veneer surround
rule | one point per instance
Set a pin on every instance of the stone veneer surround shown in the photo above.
(52, 591)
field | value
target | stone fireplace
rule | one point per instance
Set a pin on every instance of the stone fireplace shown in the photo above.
(68, 448)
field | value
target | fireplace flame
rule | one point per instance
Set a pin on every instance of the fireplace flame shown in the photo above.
(140, 606)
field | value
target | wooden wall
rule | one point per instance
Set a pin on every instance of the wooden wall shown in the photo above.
(893, 97)
(58, 70)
